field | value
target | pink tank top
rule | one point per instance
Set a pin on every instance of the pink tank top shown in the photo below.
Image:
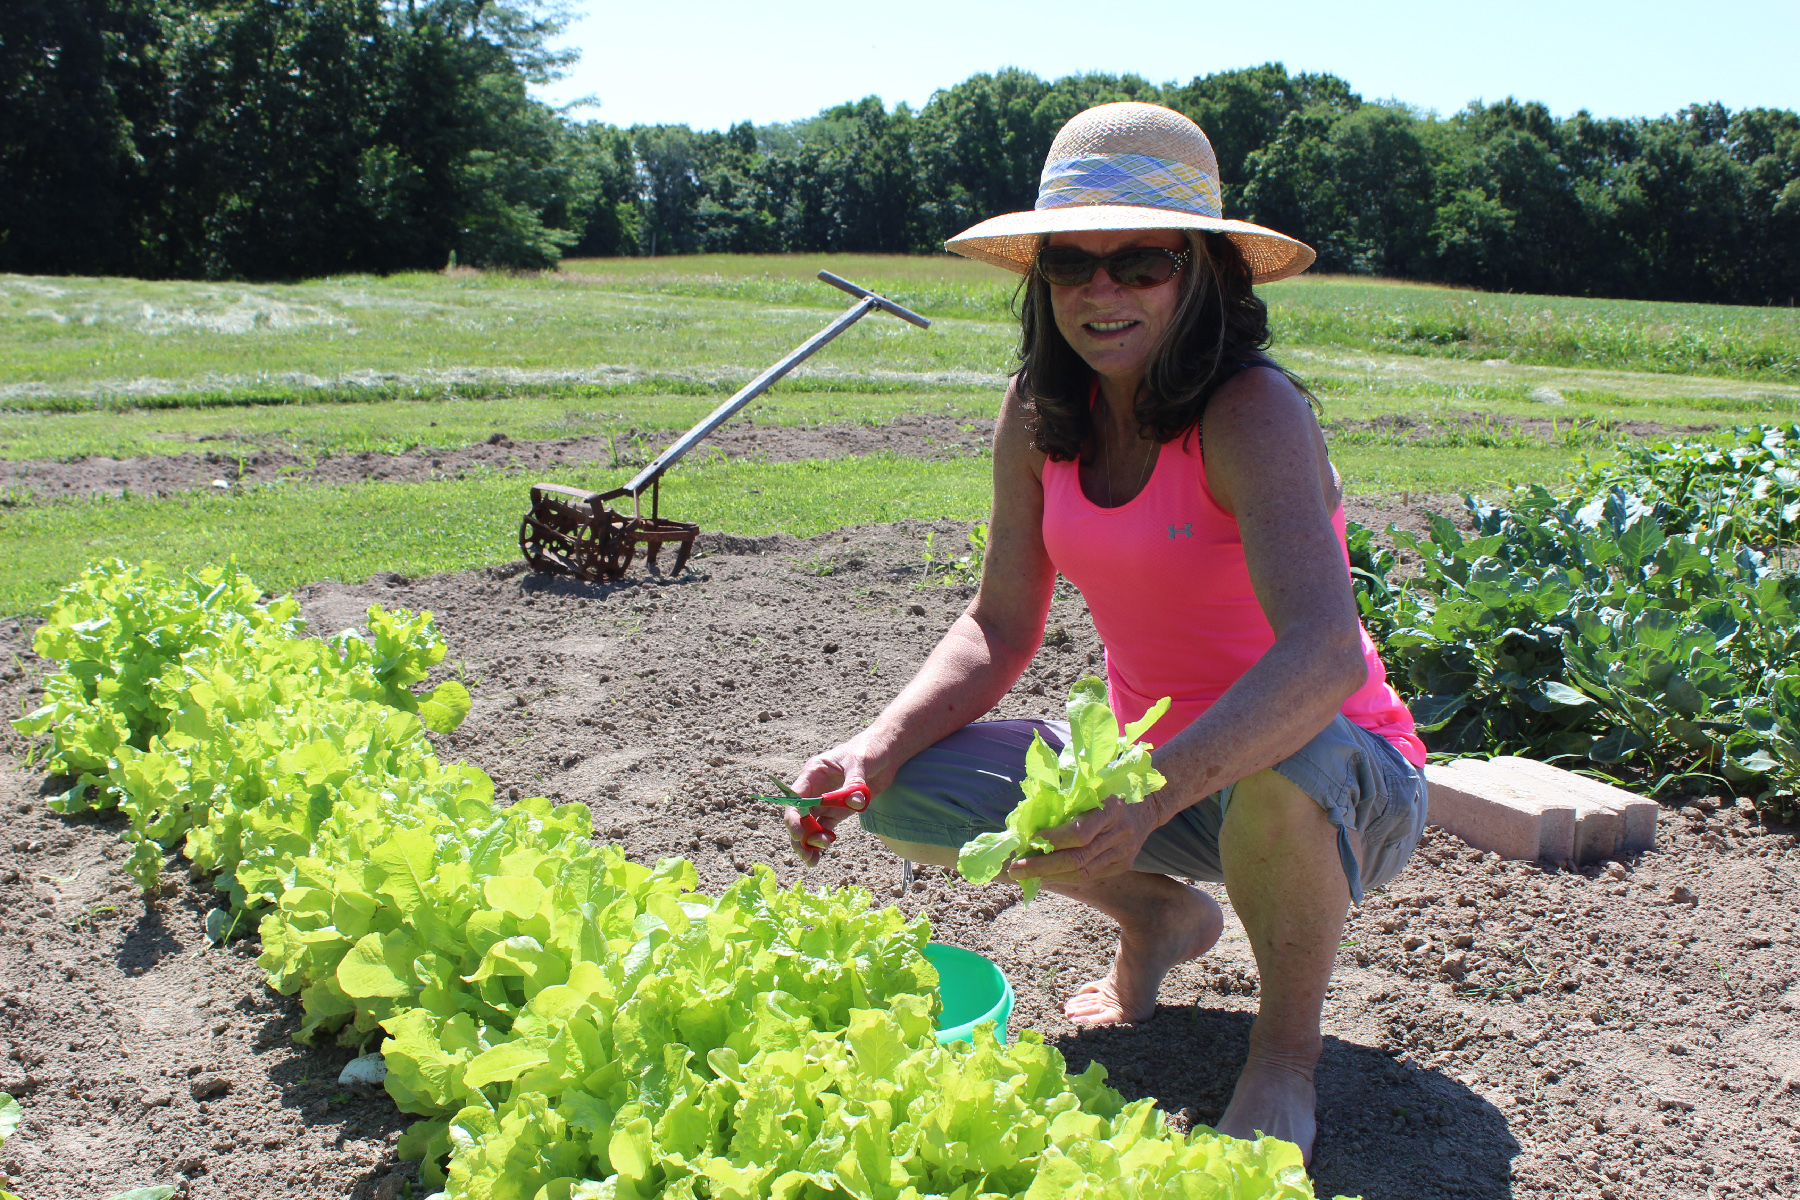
(1165, 578)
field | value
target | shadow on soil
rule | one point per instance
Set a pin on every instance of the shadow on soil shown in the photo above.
(1381, 1120)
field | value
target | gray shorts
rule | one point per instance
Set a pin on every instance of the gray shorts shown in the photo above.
(966, 785)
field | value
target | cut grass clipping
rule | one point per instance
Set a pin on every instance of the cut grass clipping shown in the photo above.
(568, 1024)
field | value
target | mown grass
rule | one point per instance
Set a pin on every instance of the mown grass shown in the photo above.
(1366, 314)
(1474, 415)
(70, 343)
(311, 431)
(291, 534)
(1630, 335)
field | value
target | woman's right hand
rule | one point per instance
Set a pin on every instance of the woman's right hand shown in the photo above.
(827, 772)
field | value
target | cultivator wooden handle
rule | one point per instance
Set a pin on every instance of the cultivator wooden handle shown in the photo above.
(569, 531)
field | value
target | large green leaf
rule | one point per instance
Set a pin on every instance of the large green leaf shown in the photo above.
(378, 966)
(1616, 745)
(1641, 538)
(1564, 695)
(1434, 712)
(984, 857)
(445, 706)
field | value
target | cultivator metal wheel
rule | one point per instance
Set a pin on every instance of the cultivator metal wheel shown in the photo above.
(572, 532)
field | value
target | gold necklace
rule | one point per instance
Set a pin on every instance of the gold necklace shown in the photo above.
(1106, 456)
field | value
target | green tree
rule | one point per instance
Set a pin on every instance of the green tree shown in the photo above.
(980, 147)
(80, 84)
(1509, 217)
(1242, 111)
(1356, 185)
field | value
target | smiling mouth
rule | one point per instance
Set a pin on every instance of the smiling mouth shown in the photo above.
(1108, 326)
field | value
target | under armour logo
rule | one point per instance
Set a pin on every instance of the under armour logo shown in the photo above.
(1187, 529)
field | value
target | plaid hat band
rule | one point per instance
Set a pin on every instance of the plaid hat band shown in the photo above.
(1135, 179)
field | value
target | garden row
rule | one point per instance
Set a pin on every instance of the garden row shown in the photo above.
(1645, 621)
(568, 1023)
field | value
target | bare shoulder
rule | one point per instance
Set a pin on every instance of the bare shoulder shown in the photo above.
(1013, 443)
(1257, 401)
(1260, 435)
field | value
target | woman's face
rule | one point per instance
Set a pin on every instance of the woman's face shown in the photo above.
(1115, 328)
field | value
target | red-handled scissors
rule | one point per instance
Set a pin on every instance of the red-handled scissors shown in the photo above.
(809, 825)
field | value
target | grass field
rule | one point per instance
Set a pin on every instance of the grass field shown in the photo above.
(1516, 387)
(287, 536)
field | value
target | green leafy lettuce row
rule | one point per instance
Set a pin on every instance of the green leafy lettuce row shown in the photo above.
(872, 1110)
(569, 1022)
(152, 665)
(1636, 620)
(1098, 762)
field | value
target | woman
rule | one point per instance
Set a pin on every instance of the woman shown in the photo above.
(1149, 452)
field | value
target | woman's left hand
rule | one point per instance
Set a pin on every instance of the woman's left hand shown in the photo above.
(1096, 845)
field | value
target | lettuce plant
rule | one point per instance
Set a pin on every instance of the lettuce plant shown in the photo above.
(1098, 762)
(571, 1024)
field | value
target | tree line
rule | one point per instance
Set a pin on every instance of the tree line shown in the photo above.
(290, 138)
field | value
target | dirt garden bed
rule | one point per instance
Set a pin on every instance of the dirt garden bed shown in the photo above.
(1494, 1029)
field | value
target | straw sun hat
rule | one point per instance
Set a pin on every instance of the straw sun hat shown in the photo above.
(1128, 166)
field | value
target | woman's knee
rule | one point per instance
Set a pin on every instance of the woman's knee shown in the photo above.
(1270, 804)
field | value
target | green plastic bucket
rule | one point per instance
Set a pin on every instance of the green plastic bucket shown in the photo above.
(973, 990)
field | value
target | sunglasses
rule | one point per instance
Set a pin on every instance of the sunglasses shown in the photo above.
(1138, 267)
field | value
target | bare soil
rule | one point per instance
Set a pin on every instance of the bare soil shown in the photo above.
(928, 435)
(1495, 1029)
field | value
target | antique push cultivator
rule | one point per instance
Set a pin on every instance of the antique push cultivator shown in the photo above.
(573, 532)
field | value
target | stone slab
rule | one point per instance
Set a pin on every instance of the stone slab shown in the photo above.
(1598, 827)
(1640, 812)
(1524, 809)
(1496, 816)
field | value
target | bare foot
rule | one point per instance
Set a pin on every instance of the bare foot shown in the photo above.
(1181, 923)
(1275, 1098)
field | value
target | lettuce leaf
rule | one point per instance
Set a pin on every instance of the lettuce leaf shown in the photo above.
(1098, 762)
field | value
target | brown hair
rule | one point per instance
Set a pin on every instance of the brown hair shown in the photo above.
(1219, 325)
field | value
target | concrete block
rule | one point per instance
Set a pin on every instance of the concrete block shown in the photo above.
(1520, 808)
(1494, 815)
(1599, 827)
(1639, 812)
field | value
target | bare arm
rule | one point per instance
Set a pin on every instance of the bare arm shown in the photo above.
(1266, 464)
(983, 653)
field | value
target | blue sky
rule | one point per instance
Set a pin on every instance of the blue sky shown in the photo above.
(708, 64)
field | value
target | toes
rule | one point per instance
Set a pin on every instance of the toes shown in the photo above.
(1094, 1004)
(1094, 1016)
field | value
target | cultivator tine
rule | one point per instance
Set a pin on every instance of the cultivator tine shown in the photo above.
(572, 532)
(568, 531)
